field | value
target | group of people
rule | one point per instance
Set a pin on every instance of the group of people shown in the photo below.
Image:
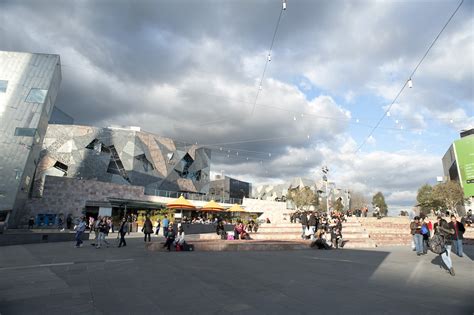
(446, 236)
(324, 231)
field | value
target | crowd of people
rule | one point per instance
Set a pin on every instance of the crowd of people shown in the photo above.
(441, 238)
(325, 231)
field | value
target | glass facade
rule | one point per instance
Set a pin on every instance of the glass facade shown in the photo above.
(36, 96)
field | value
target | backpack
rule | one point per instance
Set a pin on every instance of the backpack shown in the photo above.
(437, 244)
(424, 230)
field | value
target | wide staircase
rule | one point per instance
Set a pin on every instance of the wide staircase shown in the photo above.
(357, 232)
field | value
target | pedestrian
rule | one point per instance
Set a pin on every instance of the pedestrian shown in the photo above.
(415, 228)
(69, 221)
(60, 223)
(170, 237)
(31, 222)
(80, 228)
(459, 230)
(123, 231)
(304, 224)
(442, 228)
(103, 228)
(425, 232)
(147, 229)
(312, 223)
(165, 224)
(179, 241)
(158, 225)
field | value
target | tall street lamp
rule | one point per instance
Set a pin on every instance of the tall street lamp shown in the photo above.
(325, 171)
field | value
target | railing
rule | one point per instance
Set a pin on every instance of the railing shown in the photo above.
(191, 196)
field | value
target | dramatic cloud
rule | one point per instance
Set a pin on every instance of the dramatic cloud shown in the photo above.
(191, 70)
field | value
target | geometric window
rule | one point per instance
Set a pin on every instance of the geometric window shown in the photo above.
(60, 166)
(25, 132)
(36, 96)
(3, 86)
(145, 163)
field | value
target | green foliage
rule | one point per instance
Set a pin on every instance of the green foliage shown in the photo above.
(338, 206)
(303, 198)
(379, 201)
(449, 195)
(358, 200)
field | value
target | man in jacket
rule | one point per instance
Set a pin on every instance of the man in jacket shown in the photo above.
(415, 228)
(459, 230)
(165, 224)
(122, 231)
(304, 224)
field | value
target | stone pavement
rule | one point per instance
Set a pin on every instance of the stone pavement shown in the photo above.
(56, 278)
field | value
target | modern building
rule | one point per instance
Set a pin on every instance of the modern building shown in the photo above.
(229, 190)
(125, 156)
(458, 162)
(29, 85)
(61, 118)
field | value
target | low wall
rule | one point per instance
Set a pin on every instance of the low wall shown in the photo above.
(12, 237)
(203, 228)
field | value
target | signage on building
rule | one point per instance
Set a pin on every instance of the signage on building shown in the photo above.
(464, 149)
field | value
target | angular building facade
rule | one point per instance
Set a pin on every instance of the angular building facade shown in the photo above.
(29, 85)
(125, 156)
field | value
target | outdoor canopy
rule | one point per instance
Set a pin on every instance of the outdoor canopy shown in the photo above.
(212, 206)
(236, 208)
(181, 203)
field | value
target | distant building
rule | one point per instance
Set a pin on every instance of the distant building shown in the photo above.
(29, 85)
(458, 162)
(230, 190)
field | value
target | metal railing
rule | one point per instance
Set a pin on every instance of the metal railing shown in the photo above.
(191, 196)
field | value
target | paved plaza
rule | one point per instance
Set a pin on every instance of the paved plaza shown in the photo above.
(56, 278)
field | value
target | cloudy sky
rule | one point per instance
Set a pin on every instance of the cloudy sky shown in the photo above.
(191, 70)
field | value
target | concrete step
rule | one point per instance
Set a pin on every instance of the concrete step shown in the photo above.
(238, 245)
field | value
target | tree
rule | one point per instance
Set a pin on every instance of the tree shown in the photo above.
(338, 206)
(303, 197)
(379, 201)
(450, 195)
(358, 200)
(426, 200)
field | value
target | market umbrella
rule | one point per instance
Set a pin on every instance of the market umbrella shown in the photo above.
(212, 206)
(236, 208)
(181, 203)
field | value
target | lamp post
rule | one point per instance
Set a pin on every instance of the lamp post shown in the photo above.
(325, 171)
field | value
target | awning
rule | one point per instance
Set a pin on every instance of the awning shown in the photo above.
(212, 206)
(181, 203)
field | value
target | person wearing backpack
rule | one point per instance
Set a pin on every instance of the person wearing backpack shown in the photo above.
(443, 229)
(425, 231)
(415, 228)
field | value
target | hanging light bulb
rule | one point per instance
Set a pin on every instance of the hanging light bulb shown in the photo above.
(307, 136)
(357, 120)
(247, 159)
(269, 57)
(294, 117)
(388, 114)
(220, 149)
(410, 83)
(396, 121)
(260, 88)
(237, 153)
(228, 156)
(269, 155)
(451, 121)
(284, 4)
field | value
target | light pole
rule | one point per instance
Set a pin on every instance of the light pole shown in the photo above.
(325, 171)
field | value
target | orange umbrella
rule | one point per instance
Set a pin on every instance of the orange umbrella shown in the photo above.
(236, 208)
(212, 206)
(181, 203)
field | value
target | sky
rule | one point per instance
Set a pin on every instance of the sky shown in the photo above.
(191, 70)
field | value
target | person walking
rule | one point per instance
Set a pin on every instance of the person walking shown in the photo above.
(415, 228)
(425, 232)
(123, 231)
(103, 228)
(442, 228)
(147, 229)
(459, 230)
(80, 228)
(158, 225)
(165, 224)
(179, 241)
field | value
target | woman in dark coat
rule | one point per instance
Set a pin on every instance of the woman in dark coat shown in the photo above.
(147, 229)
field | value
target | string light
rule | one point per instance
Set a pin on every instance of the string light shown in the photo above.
(388, 114)
(410, 83)
(294, 118)
(284, 4)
